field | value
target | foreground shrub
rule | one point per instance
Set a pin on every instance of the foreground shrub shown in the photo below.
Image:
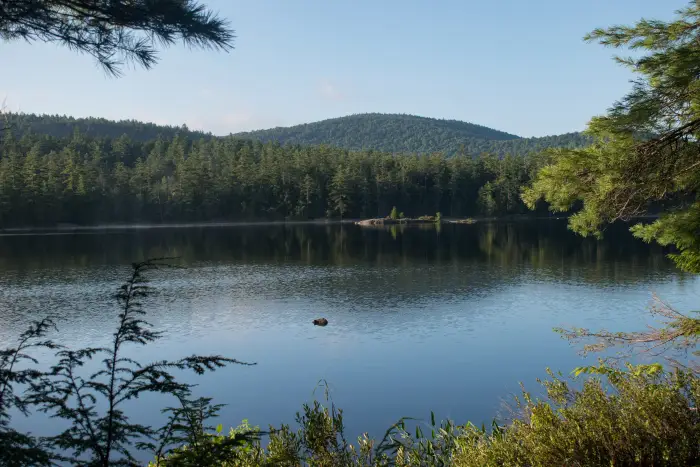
(637, 416)
(644, 417)
(99, 432)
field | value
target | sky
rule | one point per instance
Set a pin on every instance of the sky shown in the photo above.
(514, 65)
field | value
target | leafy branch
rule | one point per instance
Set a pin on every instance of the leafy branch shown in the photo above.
(99, 436)
(17, 448)
(680, 332)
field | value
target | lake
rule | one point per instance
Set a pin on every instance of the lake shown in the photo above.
(420, 319)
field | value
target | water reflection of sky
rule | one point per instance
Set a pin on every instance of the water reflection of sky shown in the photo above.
(449, 324)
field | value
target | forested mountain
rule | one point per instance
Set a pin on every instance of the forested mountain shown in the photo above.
(412, 134)
(381, 132)
(62, 126)
(84, 179)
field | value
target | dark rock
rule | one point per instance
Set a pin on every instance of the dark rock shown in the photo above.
(320, 322)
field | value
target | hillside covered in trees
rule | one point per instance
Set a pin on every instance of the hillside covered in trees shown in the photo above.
(62, 126)
(412, 134)
(381, 132)
(83, 179)
(56, 169)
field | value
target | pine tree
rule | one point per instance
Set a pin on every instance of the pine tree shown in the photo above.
(340, 192)
(645, 155)
(486, 200)
(394, 213)
(307, 190)
(31, 186)
(115, 32)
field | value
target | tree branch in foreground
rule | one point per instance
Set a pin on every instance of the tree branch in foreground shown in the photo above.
(115, 32)
(679, 332)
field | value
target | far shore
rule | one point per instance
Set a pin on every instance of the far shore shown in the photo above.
(67, 228)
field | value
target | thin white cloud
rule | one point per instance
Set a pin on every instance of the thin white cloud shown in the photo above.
(329, 91)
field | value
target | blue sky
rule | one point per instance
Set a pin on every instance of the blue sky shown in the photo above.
(514, 65)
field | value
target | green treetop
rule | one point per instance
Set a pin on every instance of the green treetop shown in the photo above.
(645, 156)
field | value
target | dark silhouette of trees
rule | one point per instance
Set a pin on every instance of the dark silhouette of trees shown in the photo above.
(85, 179)
(115, 32)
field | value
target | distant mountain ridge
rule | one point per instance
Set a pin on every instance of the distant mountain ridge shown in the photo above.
(403, 133)
(62, 126)
(398, 133)
(371, 125)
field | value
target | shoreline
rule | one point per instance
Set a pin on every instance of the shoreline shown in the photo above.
(67, 228)
(189, 225)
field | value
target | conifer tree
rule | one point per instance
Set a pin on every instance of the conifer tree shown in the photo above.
(645, 158)
(394, 213)
(340, 192)
(115, 32)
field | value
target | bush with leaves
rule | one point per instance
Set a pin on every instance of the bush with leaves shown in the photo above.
(645, 417)
(633, 416)
(394, 214)
(96, 436)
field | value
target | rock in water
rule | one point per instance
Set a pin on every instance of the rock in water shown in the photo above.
(320, 322)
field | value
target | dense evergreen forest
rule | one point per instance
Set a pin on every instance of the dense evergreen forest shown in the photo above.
(380, 132)
(412, 134)
(82, 179)
(62, 126)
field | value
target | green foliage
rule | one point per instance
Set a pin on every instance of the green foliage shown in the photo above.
(641, 416)
(61, 126)
(320, 441)
(486, 200)
(646, 417)
(394, 213)
(115, 33)
(411, 134)
(645, 159)
(679, 333)
(199, 445)
(99, 431)
(680, 229)
(18, 448)
(82, 179)
(438, 217)
(646, 151)
(386, 133)
(341, 190)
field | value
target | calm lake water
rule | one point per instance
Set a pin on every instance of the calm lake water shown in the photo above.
(420, 319)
